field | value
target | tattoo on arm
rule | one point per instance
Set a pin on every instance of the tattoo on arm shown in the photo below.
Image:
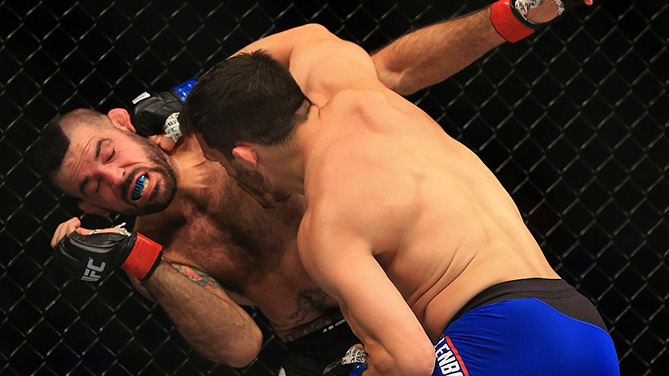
(197, 276)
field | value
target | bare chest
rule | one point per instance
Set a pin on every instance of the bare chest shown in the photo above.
(257, 269)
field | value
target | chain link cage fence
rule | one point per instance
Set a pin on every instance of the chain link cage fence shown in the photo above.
(572, 120)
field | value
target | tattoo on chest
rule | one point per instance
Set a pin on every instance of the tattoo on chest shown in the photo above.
(306, 302)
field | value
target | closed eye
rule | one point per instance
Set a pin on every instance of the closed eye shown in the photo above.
(111, 156)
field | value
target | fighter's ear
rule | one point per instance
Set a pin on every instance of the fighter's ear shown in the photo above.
(121, 118)
(246, 152)
(89, 208)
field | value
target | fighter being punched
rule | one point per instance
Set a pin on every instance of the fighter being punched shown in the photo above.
(212, 233)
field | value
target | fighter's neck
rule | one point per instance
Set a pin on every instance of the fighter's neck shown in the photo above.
(193, 170)
(288, 162)
(196, 179)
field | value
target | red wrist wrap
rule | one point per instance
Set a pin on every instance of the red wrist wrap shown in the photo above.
(506, 23)
(143, 257)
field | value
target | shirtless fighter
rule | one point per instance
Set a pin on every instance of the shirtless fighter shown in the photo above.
(214, 234)
(419, 243)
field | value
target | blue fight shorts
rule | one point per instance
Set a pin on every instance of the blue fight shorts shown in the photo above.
(538, 327)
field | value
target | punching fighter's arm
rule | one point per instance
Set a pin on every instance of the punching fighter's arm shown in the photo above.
(303, 50)
(282, 45)
(339, 259)
(431, 54)
(205, 316)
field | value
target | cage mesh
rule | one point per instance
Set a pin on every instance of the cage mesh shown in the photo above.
(572, 120)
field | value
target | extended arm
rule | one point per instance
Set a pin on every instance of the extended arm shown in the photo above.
(431, 54)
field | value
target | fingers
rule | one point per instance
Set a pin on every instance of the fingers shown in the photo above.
(156, 138)
(167, 143)
(72, 225)
(85, 231)
(64, 229)
(163, 142)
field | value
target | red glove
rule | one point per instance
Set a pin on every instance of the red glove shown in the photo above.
(509, 17)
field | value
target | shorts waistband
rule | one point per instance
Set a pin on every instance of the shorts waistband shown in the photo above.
(555, 292)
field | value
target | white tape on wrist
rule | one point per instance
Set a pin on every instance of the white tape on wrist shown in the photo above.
(172, 127)
(141, 97)
(523, 6)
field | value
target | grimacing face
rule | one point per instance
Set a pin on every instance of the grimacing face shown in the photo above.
(250, 180)
(116, 170)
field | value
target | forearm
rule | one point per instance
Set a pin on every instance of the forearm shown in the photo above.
(432, 54)
(209, 321)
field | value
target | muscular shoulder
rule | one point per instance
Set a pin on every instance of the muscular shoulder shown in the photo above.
(351, 186)
(358, 98)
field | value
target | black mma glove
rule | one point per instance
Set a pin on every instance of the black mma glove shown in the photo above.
(509, 17)
(157, 112)
(352, 364)
(91, 257)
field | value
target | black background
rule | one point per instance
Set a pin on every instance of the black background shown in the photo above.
(572, 120)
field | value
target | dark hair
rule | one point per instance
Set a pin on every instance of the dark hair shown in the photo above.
(52, 144)
(249, 97)
(50, 149)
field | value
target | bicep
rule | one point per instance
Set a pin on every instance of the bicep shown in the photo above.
(282, 45)
(331, 66)
(321, 63)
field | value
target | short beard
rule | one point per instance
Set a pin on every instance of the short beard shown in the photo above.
(163, 194)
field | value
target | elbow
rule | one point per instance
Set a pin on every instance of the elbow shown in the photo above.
(239, 362)
(400, 82)
(391, 78)
(240, 352)
(247, 356)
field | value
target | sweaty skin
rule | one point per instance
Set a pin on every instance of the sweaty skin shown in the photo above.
(404, 224)
(217, 236)
(213, 226)
(189, 228)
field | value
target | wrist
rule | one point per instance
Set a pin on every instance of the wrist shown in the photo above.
(507, 23)
(143, 258)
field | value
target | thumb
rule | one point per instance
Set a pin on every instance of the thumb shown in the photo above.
(167, 143)
(156, 138)
(163, 142)
(83, 231)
